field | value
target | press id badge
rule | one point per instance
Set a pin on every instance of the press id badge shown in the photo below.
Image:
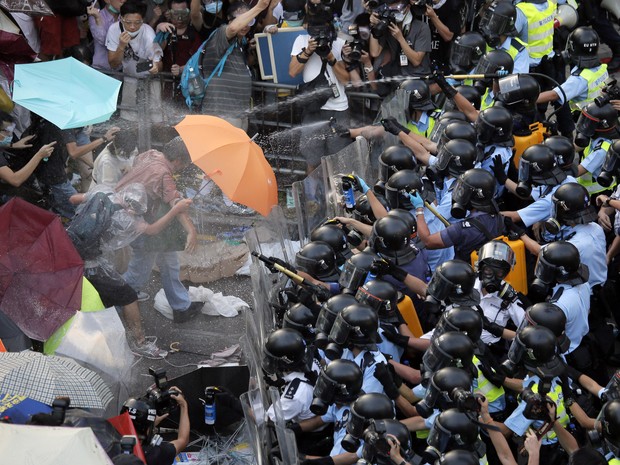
(335, 90)
(404, 61)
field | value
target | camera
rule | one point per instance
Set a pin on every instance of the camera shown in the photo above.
(358, 45)
(386, 17)
(324, 36)
(127, 444)
(160, 395)
(466, 401)
(59, 409)
(535, 405)
(611, 91)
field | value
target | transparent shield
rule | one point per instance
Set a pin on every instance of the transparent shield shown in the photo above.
(310, 202)
(285, 436)
(254, 413)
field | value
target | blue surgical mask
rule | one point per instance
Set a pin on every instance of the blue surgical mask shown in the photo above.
(6, 141)
(295, 23)
(113, 10)
(213, 7)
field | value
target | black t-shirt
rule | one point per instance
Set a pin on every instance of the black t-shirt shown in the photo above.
(3, 161)
(451, 13)
(163, 454)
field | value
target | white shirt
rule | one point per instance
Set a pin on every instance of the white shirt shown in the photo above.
(140, 48)
(491, 307)
(295, 401)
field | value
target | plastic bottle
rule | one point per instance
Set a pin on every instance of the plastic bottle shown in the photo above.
(337, 23)
(196, 85)
(210, 405)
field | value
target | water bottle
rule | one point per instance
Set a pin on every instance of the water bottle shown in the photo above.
(210, 405)
(195, 85)
(349, 195)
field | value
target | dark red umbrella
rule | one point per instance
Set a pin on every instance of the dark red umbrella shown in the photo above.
(40, 270)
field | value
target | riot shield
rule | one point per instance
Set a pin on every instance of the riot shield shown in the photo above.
(285, 436)
(354, 158)
(395, 105)
(256, 426)
(311, 203)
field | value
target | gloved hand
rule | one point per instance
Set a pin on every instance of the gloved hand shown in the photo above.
(396, 338)
(499, 170)
(338, 129)
(511, 227)
(497, 377)
(382, 373)
(492, 327)
(447, 89)
(383, 267)
(294, 427)
(358, 183)
(322, 294)
(394, 127)
(416, 199)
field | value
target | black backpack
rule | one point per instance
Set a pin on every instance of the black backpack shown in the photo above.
(91, 221)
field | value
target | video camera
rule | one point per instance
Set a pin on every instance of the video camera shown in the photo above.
(160, 395)
(535, 405)
(611, 91)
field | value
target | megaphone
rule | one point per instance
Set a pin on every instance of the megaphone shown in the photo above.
(565, 16)
(613, 6)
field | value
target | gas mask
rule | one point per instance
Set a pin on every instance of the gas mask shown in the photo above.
(611, 167)
(442, 440)
(458, 383)
(461, 198)
(324, 324)
(325, 392)
(493, 25)
(493, 265)
(355, 431)
(545, 276)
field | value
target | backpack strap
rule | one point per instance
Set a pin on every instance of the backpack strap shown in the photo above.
(220, 66)
(480, 227)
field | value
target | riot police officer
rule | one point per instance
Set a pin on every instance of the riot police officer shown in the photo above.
(336, 238)
(317, 261)
(610, 424)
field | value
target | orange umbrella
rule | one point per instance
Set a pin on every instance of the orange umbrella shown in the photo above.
(235, 163)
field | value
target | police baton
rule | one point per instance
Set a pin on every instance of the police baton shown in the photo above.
(439, 216)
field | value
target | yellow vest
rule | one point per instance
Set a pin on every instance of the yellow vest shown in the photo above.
(596, 78)
(516, 45)
(614, 461)
(560, 411)
(483, 101)
(432, 118)
(586, 179)
(539, 28)
(486, 387)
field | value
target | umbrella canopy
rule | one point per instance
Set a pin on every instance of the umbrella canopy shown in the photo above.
(29, 7)
(20, 408)
(66, 92)
(235, 163)
(45, 377)
(14, 47)
(40, 270)
(46, 445)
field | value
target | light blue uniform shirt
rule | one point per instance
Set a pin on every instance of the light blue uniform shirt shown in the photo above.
(438, 256)
(521, 60)
(444, 200)
(575, 87)
(517, 422)
(523, 33)
(388, 347)
(422, 124)
(541, 208)
(339, 416)
(593, 163)
(370, 383)
(575, 303)
(487, 164)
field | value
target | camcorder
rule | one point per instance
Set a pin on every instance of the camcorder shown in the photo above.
(160, 395)
(611, 91)
(324, 37)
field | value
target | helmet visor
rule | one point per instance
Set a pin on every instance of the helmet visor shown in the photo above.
(462, 193)
(497, 254)
(434, 358)
(270, 362)
(325, 321)
(397, 198)
(340, 331)
(493, 23)
(439, 287)
(485, 66)
(352, 277)
(443, 158)
(439, 128)
(439, 438)
(355, 425)
(612, 162)
(462, 56)
(510, 90)
(524, 170)
(365, 297)
(443, 326)
(517, 349)
(545, 271)
(587, 124)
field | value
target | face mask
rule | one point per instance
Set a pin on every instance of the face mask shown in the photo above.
(113, 10)
(399, 17)
(295, 23)
(134, 34)
(6, 141)
(213, 7)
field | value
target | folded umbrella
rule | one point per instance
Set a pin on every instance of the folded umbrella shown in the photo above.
(66, 92)
(232, 160)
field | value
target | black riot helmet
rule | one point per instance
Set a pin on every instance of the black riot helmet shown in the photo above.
(356, 270)
(377, 445)
(582, 48)
(610, 423)
(419, 95)
(447, 117)
(400, 185)
(494, 126)
(142, 413)
(339, 382)
(453, 430)
(466, 51)
(558, 262)
(395, 158)
(495, 61)
(495, 260)
(538, 166)
(535, 347)
(474, 189)
(318, 260)
(459, 457)
(327, 316)
(285, 350)
(302, 319)
(595, 120)
(336, 238)
(611, 165)
(367, 407)
(452, 283)
(450, 349)
(458, 130)
(455, 157)
(519, 92)
(471, 94)
(391, 238)
(550, 316)
(441, 390)
(363, 211)
(355, 326)
(408, 218)
(564, 151)
(498, 20)
(467, 320)
(571, 205)
(382, 296)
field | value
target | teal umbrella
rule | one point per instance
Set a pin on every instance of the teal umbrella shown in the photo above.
(66, 92)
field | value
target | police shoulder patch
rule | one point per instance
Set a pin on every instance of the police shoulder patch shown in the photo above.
(465, 224)
(291, 390)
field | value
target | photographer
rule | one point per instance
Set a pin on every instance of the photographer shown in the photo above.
(400, 42)
(144, 417)
(446, 22)
(318, 56)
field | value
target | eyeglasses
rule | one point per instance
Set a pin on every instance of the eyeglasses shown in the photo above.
(132, 23)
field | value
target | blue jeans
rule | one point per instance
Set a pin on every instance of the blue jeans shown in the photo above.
(59, 199)
(139, 271)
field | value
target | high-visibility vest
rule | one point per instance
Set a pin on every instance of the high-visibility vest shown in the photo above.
(486, 387)
(484, 104)
(539, 28)
(562, 416)
(516, 46)
(596, 78)
(586, 179)
(432, 119)
(614, 461)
